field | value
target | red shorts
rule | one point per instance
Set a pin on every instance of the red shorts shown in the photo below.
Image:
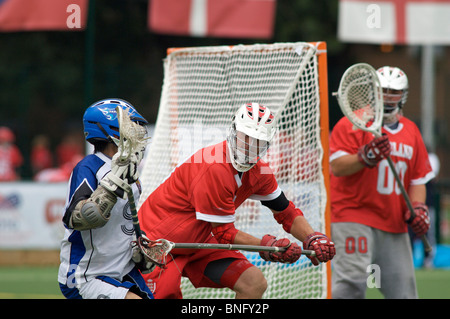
(165, 283)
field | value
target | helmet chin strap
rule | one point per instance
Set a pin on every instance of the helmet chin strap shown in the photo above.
(110, 139)
(392, 119)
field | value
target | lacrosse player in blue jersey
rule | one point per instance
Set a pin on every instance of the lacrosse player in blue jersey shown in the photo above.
(97, 256)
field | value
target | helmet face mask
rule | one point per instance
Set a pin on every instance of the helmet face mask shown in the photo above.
(249, 136)
(394, 83)
(392, 100)
(246, 150)
(100, 120)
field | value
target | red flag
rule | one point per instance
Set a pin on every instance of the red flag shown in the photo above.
(395, 21)
(217, 18)
(34, 15)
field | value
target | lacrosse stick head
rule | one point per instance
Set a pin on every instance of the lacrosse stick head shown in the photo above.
(360, 97)
(132, 137)
(155, 251)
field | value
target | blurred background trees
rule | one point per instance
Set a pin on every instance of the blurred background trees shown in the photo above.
(49, 78)
(47, 81)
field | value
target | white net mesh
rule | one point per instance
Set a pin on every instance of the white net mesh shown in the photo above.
(203, 87)
(132, 135)
(360, 97)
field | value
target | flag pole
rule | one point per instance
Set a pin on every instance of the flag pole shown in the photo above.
(427, 96)
(89, 54)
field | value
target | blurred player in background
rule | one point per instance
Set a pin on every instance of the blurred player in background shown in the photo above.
(197, 204)
(41, 157)
(368, 213)
(11, 158)
(97, 259)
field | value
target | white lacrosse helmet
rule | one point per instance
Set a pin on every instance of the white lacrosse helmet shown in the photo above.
(252, 129)
(395, 91)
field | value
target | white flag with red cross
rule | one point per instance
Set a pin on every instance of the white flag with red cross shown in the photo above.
(213, 18)
(415, 22)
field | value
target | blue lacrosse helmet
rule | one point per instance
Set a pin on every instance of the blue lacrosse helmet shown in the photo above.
(100, 119)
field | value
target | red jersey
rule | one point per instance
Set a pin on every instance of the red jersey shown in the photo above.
(372, 196)
(206, 188)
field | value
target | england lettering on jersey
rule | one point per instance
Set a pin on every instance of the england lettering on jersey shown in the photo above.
(401, 150)
(102, 251)
(372, 196)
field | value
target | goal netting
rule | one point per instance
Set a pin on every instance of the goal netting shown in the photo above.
(202, 89)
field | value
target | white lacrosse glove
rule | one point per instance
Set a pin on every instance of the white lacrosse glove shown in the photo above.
(121, 176)
(142, 262)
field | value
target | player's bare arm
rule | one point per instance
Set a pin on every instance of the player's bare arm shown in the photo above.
(368, 155)
(346, 165)
(320, 243)
(292, 220)
(300, 228)
(417, 193)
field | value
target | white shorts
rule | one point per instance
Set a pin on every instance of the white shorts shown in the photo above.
(104, 287)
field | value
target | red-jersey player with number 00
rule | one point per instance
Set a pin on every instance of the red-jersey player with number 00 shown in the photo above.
(197, 204)
(369, 216)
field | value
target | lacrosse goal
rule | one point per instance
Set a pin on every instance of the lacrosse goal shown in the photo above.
(202, 89)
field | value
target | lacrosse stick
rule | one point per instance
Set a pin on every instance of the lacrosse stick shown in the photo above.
(253, 248)
(132, 139)
(360, 98)
(157, 250)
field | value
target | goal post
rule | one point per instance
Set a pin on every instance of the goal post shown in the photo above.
(202, 89)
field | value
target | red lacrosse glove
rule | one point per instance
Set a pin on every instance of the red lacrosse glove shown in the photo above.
(322, 245)
(291, 255)
(421, 222)
(373, 152)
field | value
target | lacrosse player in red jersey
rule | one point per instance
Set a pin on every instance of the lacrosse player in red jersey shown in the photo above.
(369, 216)
(197, 203)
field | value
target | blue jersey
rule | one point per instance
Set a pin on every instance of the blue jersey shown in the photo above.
(104, 251)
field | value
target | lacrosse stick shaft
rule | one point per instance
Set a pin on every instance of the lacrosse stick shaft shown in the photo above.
(405, 195)
(134, 214)
(253, 248)
(132, 139)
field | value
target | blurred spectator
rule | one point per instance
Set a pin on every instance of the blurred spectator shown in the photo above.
(41, 156)
(11, 158)
(58, 174)
(70, 147)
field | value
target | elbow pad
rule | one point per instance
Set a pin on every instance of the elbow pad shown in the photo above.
(93, 212)
(287, 216)
(225, 233)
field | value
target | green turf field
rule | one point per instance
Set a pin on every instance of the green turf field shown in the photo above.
(431, 284)
(41, 283)
(29, 283)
